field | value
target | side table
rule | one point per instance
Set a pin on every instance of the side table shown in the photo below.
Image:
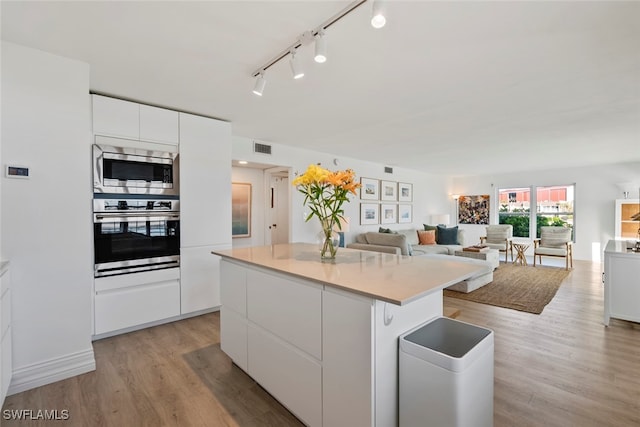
(491, 255)
(520, 248)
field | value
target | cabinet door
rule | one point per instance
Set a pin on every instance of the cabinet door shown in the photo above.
(158, 125)
(199, 279)
(115, 117)
(205, 181)
(623, 276)
(124, 308)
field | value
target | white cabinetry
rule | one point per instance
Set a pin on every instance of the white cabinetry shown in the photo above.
(131, 300)
(621, 282)
(205, 200)
(125, 119)
(329, 356)
(5, 332)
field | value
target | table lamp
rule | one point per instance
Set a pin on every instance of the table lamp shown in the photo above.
(440, 219)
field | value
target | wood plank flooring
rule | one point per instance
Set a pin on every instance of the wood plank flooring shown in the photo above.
(559, 368)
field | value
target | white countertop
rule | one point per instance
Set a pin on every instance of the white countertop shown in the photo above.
(621, 247)
(397, 279)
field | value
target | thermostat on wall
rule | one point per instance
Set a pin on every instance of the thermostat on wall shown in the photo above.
(17, 172)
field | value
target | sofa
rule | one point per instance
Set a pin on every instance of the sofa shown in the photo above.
(404, 242)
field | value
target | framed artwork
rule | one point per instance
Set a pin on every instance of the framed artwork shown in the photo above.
(240, 210)
(405, 192)
(405, 214)
(389, 191)
(388, 214)
(369, 213)
(370, 189)
(473, 209)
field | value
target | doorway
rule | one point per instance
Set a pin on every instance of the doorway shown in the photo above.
(277, 205)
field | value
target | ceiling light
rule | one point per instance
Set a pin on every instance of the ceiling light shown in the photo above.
(242, 162)
(377, 15)
(295, 66)
(321, 48)
(259, 86)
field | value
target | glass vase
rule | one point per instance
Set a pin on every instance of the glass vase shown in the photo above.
(328, 242)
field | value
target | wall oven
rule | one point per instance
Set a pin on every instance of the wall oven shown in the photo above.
(130, 170)
(133, 235)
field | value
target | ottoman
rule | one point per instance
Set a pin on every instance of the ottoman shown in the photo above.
(472, 283)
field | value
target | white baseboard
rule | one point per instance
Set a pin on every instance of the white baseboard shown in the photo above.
(52, 370)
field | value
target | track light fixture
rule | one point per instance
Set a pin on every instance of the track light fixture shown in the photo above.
(296, 70)
(260, 84)
(377, 14)
(318, 35)
(321, 48)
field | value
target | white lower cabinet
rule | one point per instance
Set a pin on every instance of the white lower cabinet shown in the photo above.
(328, 355)
(136, 299)
(290, 375)
(6, 365)
(199, 279)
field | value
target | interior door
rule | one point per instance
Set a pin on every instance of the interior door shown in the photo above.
(278, 206)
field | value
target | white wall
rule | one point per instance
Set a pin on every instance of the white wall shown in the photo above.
(596, 192)
(430, 192)
(46, 222)
(255, 177)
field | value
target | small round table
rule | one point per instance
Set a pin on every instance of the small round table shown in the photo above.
(520, 248)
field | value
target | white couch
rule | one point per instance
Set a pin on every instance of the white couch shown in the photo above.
(403, 242)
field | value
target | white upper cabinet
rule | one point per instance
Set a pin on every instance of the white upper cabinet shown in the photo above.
(125, 119)
(158, 125)
(115, 117)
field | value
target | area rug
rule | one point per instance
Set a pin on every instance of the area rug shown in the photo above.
(523, 288)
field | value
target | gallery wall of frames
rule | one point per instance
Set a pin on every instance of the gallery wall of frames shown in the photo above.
(385, 202)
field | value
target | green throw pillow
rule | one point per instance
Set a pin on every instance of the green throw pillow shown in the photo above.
(447, 236)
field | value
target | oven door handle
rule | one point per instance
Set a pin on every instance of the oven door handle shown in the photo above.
(108, 217)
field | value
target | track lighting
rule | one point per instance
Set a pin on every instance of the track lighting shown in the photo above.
(259, 86)
(321, 48)
(377, 14)
(295, 66)
(318, 35)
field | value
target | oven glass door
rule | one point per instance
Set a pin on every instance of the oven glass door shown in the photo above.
(121, 239)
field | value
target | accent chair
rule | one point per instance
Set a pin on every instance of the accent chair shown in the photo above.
(499, 237)
(554, 241)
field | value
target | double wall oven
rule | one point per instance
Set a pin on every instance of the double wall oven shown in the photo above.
(136, 209)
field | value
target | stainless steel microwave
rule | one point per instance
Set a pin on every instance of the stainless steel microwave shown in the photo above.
(134, 170)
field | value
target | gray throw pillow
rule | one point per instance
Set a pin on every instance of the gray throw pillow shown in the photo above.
(447, 236)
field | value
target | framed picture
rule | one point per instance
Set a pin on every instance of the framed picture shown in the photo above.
(388, 214)
(370, 189)
(405, 214)
(369, 213)
(405, 192)
(389, 191)
(473, 209)
(240, 210)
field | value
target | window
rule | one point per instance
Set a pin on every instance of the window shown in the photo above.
(554, 205)
(514, 208)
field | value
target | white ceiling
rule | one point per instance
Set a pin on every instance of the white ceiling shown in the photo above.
(451, 87)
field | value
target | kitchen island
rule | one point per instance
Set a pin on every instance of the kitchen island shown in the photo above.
(621, 281)
(322, 336)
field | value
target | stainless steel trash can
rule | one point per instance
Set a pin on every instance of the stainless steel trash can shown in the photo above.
(446, 375)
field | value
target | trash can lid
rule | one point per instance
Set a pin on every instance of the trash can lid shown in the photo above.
(447, 343)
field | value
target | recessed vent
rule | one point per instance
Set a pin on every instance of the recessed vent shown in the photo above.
(261, 148)
(387, 169)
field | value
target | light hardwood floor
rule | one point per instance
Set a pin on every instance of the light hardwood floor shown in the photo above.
(559, 368)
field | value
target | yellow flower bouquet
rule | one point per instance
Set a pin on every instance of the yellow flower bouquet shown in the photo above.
(325, 192)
